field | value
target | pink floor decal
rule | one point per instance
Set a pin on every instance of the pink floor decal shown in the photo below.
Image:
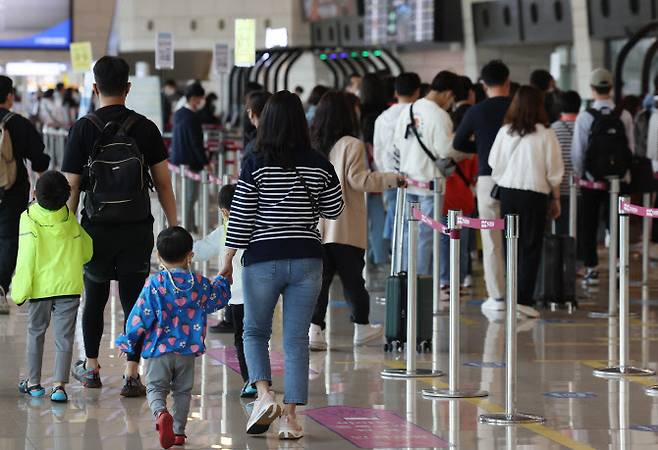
(374, 428)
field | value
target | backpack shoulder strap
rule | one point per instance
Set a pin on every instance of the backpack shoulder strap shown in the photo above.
(594, 113)
(6, 118)
(412, 125)
(96, 121)
(131, 120)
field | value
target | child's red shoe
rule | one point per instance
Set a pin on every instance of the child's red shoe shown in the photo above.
(165, 426)
(180, 439)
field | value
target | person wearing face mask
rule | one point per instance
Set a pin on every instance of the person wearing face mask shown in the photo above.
(170, 96)
(254, 105)
(122, 250)
(207, 114)
(187, 147)
(434, 131)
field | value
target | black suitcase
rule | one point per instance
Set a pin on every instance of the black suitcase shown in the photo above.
(556, 280)
(396, 313)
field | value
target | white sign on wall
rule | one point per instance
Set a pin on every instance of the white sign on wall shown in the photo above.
(221, 58)
(164, 50)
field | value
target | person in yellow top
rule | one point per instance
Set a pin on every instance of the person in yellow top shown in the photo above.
(52, 250)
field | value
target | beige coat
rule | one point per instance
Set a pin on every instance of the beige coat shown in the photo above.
(348, 157)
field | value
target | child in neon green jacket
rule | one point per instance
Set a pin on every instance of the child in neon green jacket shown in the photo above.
(52, 250)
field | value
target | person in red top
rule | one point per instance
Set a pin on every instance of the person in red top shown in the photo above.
(458, 195)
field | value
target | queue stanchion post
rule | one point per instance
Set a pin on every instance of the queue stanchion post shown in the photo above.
(511, 416)
(573, 206)
(183, 197)
(613, 305)
(646, 232)
(437, 188)
(205, 209)
(398, 231)
(454, 391)
(624, 369)
(411, 371)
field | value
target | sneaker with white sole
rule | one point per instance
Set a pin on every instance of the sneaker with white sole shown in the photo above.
(4, 305)
(527, 311)
(591, 277)
(289, 429)
(493, 304)
(264, 412)
(316, 338)
(367, 333)
(468, 282)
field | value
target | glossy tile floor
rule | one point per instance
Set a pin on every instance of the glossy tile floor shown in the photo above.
(556, 355)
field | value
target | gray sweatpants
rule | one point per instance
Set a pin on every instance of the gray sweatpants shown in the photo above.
(175, 373)
(63, 312)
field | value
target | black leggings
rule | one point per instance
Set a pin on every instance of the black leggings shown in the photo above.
(96, 296)
(237, 311)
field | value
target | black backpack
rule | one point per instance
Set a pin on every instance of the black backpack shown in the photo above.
(607, 152)
(116, 179)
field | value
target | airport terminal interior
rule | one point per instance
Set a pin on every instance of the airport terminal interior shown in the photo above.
(532, 309)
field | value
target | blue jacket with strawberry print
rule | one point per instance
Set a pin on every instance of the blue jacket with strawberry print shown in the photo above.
(171, 317)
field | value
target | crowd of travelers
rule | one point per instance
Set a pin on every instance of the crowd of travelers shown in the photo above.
(315, 199)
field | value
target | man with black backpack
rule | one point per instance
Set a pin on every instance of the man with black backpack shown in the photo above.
(603, 144)
(19, 140)
(114, 156)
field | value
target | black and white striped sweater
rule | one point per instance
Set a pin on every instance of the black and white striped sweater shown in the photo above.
(273, 216)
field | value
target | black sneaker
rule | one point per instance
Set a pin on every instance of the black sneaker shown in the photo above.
(133, 387)
(90, 378)
(222, 327)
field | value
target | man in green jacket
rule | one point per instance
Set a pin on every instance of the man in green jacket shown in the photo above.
(52, 251)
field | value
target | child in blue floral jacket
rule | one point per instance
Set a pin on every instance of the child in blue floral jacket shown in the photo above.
(170, 317)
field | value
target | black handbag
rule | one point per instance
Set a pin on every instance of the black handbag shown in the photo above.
(495, 192)
(642, 177)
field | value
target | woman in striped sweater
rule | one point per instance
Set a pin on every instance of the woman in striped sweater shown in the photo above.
(284, 189)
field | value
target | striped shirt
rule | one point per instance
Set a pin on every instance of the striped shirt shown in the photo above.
(273, 216)
(564, 131)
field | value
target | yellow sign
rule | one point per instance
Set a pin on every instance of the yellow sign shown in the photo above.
(245, 42)
(81, 58)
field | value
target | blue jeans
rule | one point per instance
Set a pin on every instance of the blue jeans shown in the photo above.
(299, 280)
(376, 221)
(390, 200)
(464, 249)
(425, 235)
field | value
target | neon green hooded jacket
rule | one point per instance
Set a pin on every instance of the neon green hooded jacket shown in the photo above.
(52, 249)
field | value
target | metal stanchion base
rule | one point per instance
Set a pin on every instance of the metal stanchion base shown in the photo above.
(447, 393)
(652, 391)
(623, 371)
(601, 315)
(510, 419)
(403, 374)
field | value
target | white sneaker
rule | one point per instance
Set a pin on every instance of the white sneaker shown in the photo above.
(4, 306)
(367, 333)
(494, 316)
(527, 311)
(468, 282)
(264, 412)
(493, 304)
(525, 324)
(289, 429)
(316, 339)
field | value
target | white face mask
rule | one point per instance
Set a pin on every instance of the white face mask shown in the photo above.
(201, 104)
(169, 91)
